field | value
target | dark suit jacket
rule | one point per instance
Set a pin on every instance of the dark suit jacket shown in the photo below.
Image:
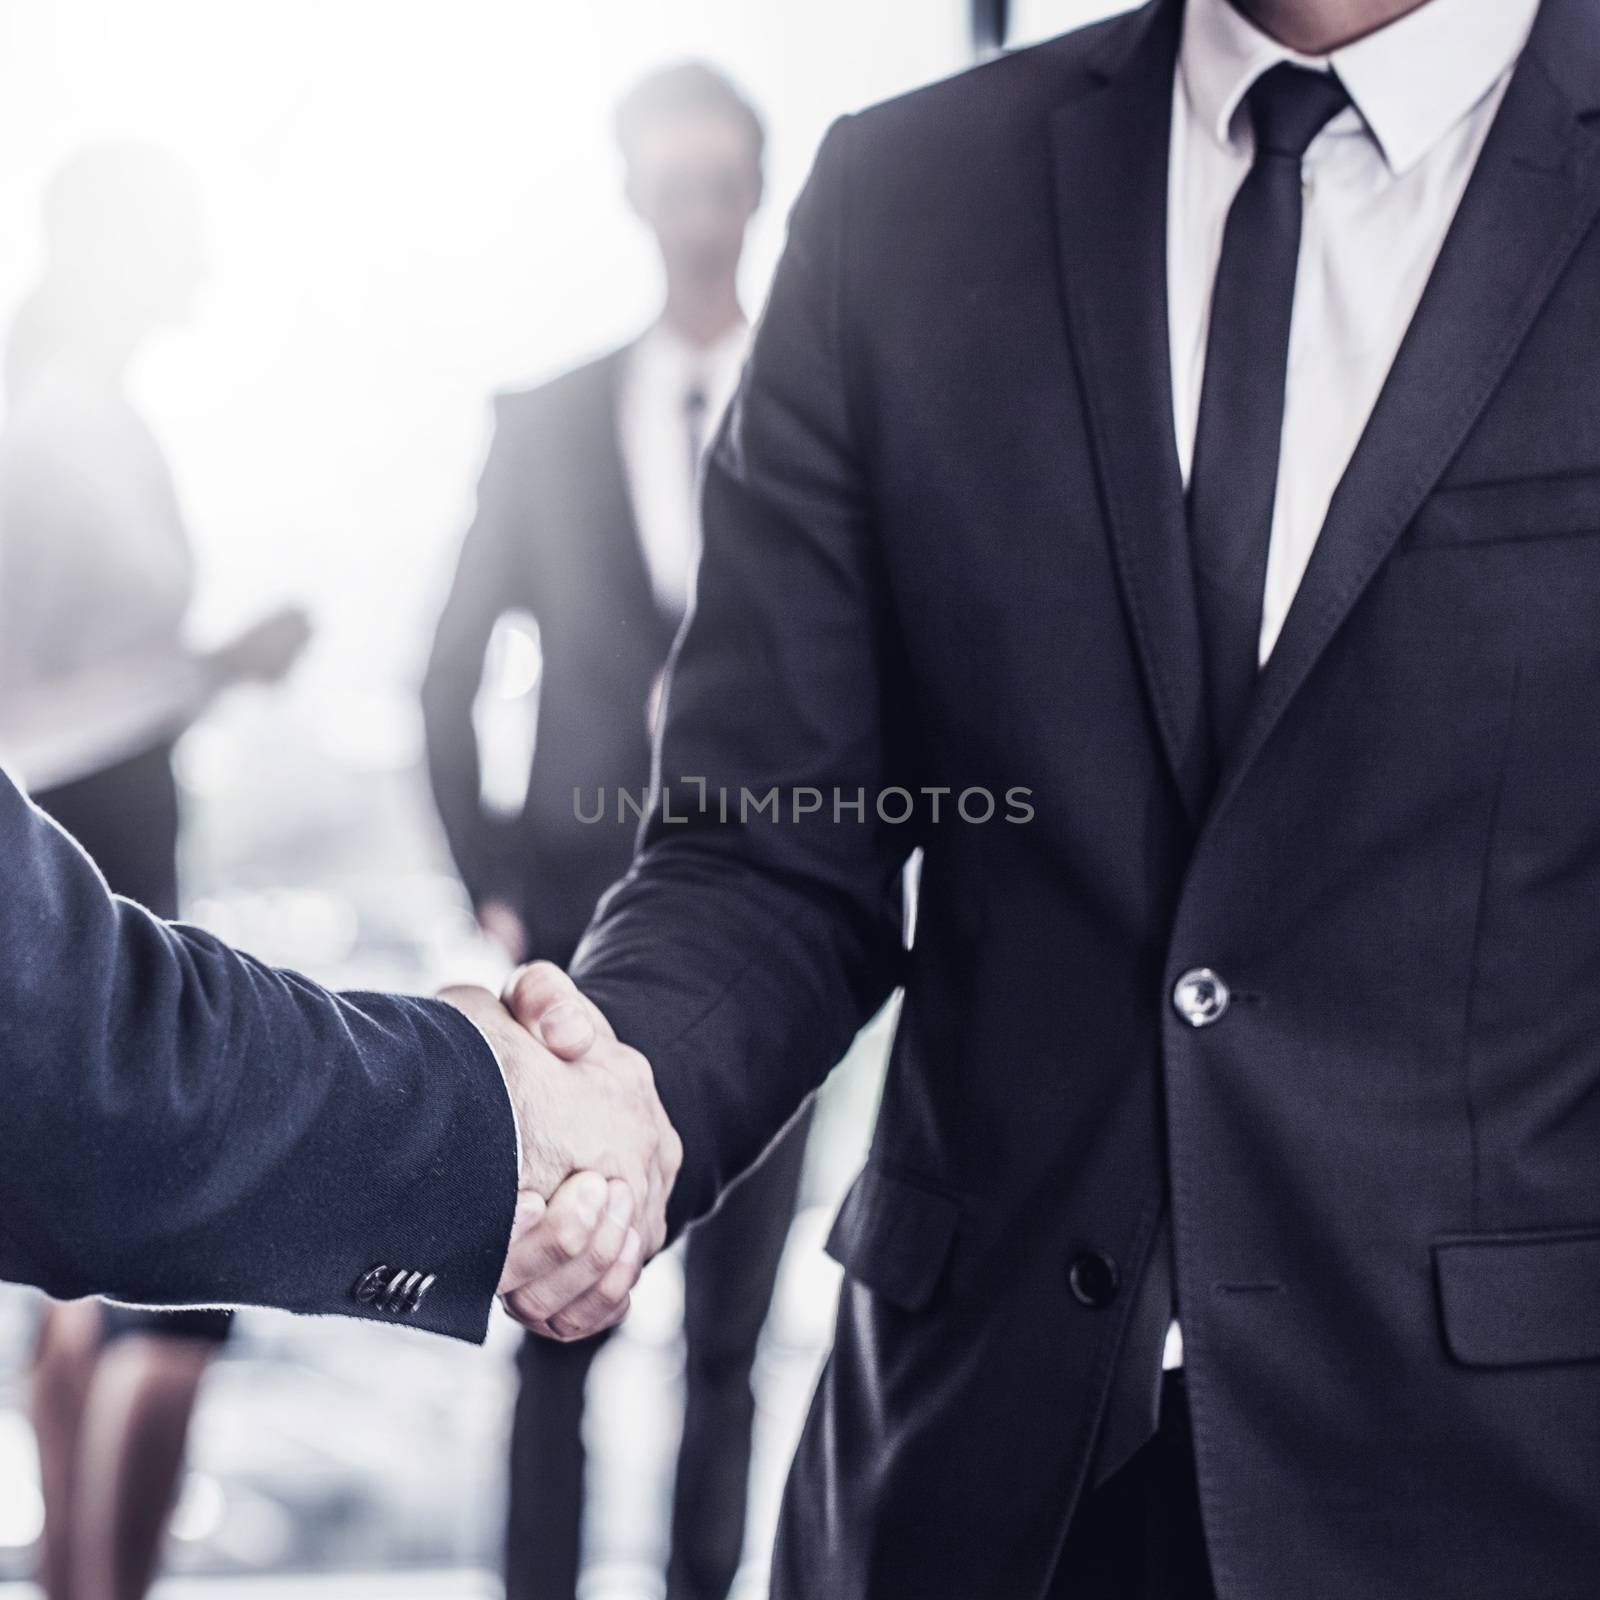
(945, 545)
(184, 1126)
(554, 535)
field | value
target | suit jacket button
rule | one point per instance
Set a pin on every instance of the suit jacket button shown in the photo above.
(1200, 997)
(1093, 1279)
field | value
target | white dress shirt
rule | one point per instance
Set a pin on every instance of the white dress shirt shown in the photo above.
(95, 582)
(1382, 184)
(654, 426)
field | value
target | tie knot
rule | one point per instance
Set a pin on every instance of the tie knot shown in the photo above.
(1290, 106)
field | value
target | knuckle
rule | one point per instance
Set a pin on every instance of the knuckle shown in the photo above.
(571, 1241)
(537, 984)
(525, 1308)
(542, 1303)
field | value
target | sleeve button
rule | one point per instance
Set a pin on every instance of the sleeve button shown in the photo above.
(370, 1284)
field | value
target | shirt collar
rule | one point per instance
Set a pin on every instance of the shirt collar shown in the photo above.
(666, 350)
(1412, 81)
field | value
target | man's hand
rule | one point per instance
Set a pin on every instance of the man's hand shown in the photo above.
(265, 651)
(586, 1112)
(546, 1002)
(574, 1262)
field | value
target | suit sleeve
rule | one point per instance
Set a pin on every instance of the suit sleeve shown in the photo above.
(488, 582)
(185, 1126)
(742, 953)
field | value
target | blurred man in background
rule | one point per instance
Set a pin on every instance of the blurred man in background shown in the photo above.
(96, 684)
(587, 519)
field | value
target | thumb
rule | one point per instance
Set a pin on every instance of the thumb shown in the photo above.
(547, 1003)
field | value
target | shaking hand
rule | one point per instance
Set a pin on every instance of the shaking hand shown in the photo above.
(599, 1156)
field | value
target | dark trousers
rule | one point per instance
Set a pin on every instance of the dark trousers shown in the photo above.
(729, 1270)
(1138, 1536)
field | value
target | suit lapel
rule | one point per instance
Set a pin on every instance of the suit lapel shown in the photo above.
(1533, 198)
(1111, 157)
(616, 523)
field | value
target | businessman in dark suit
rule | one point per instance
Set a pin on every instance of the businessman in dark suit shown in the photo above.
(587, 520)
(186, 1127)
(1194, 421)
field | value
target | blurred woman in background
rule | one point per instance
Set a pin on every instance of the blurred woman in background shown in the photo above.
(96, 685)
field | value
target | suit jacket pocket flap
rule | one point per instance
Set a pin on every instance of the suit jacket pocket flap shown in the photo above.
(1520, 1299)
(894, 1236)
(1552, 507)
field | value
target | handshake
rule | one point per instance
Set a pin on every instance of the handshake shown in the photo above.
(598, 1155)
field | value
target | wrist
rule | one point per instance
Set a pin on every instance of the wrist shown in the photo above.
(458, 1209)
(478, 1007)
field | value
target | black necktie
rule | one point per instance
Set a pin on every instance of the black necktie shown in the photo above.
(1234, 480)
(695, 407)
(1232, 487)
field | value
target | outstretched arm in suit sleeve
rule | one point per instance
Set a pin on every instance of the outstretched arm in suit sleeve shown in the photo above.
(742, 952)
(185, 1126)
